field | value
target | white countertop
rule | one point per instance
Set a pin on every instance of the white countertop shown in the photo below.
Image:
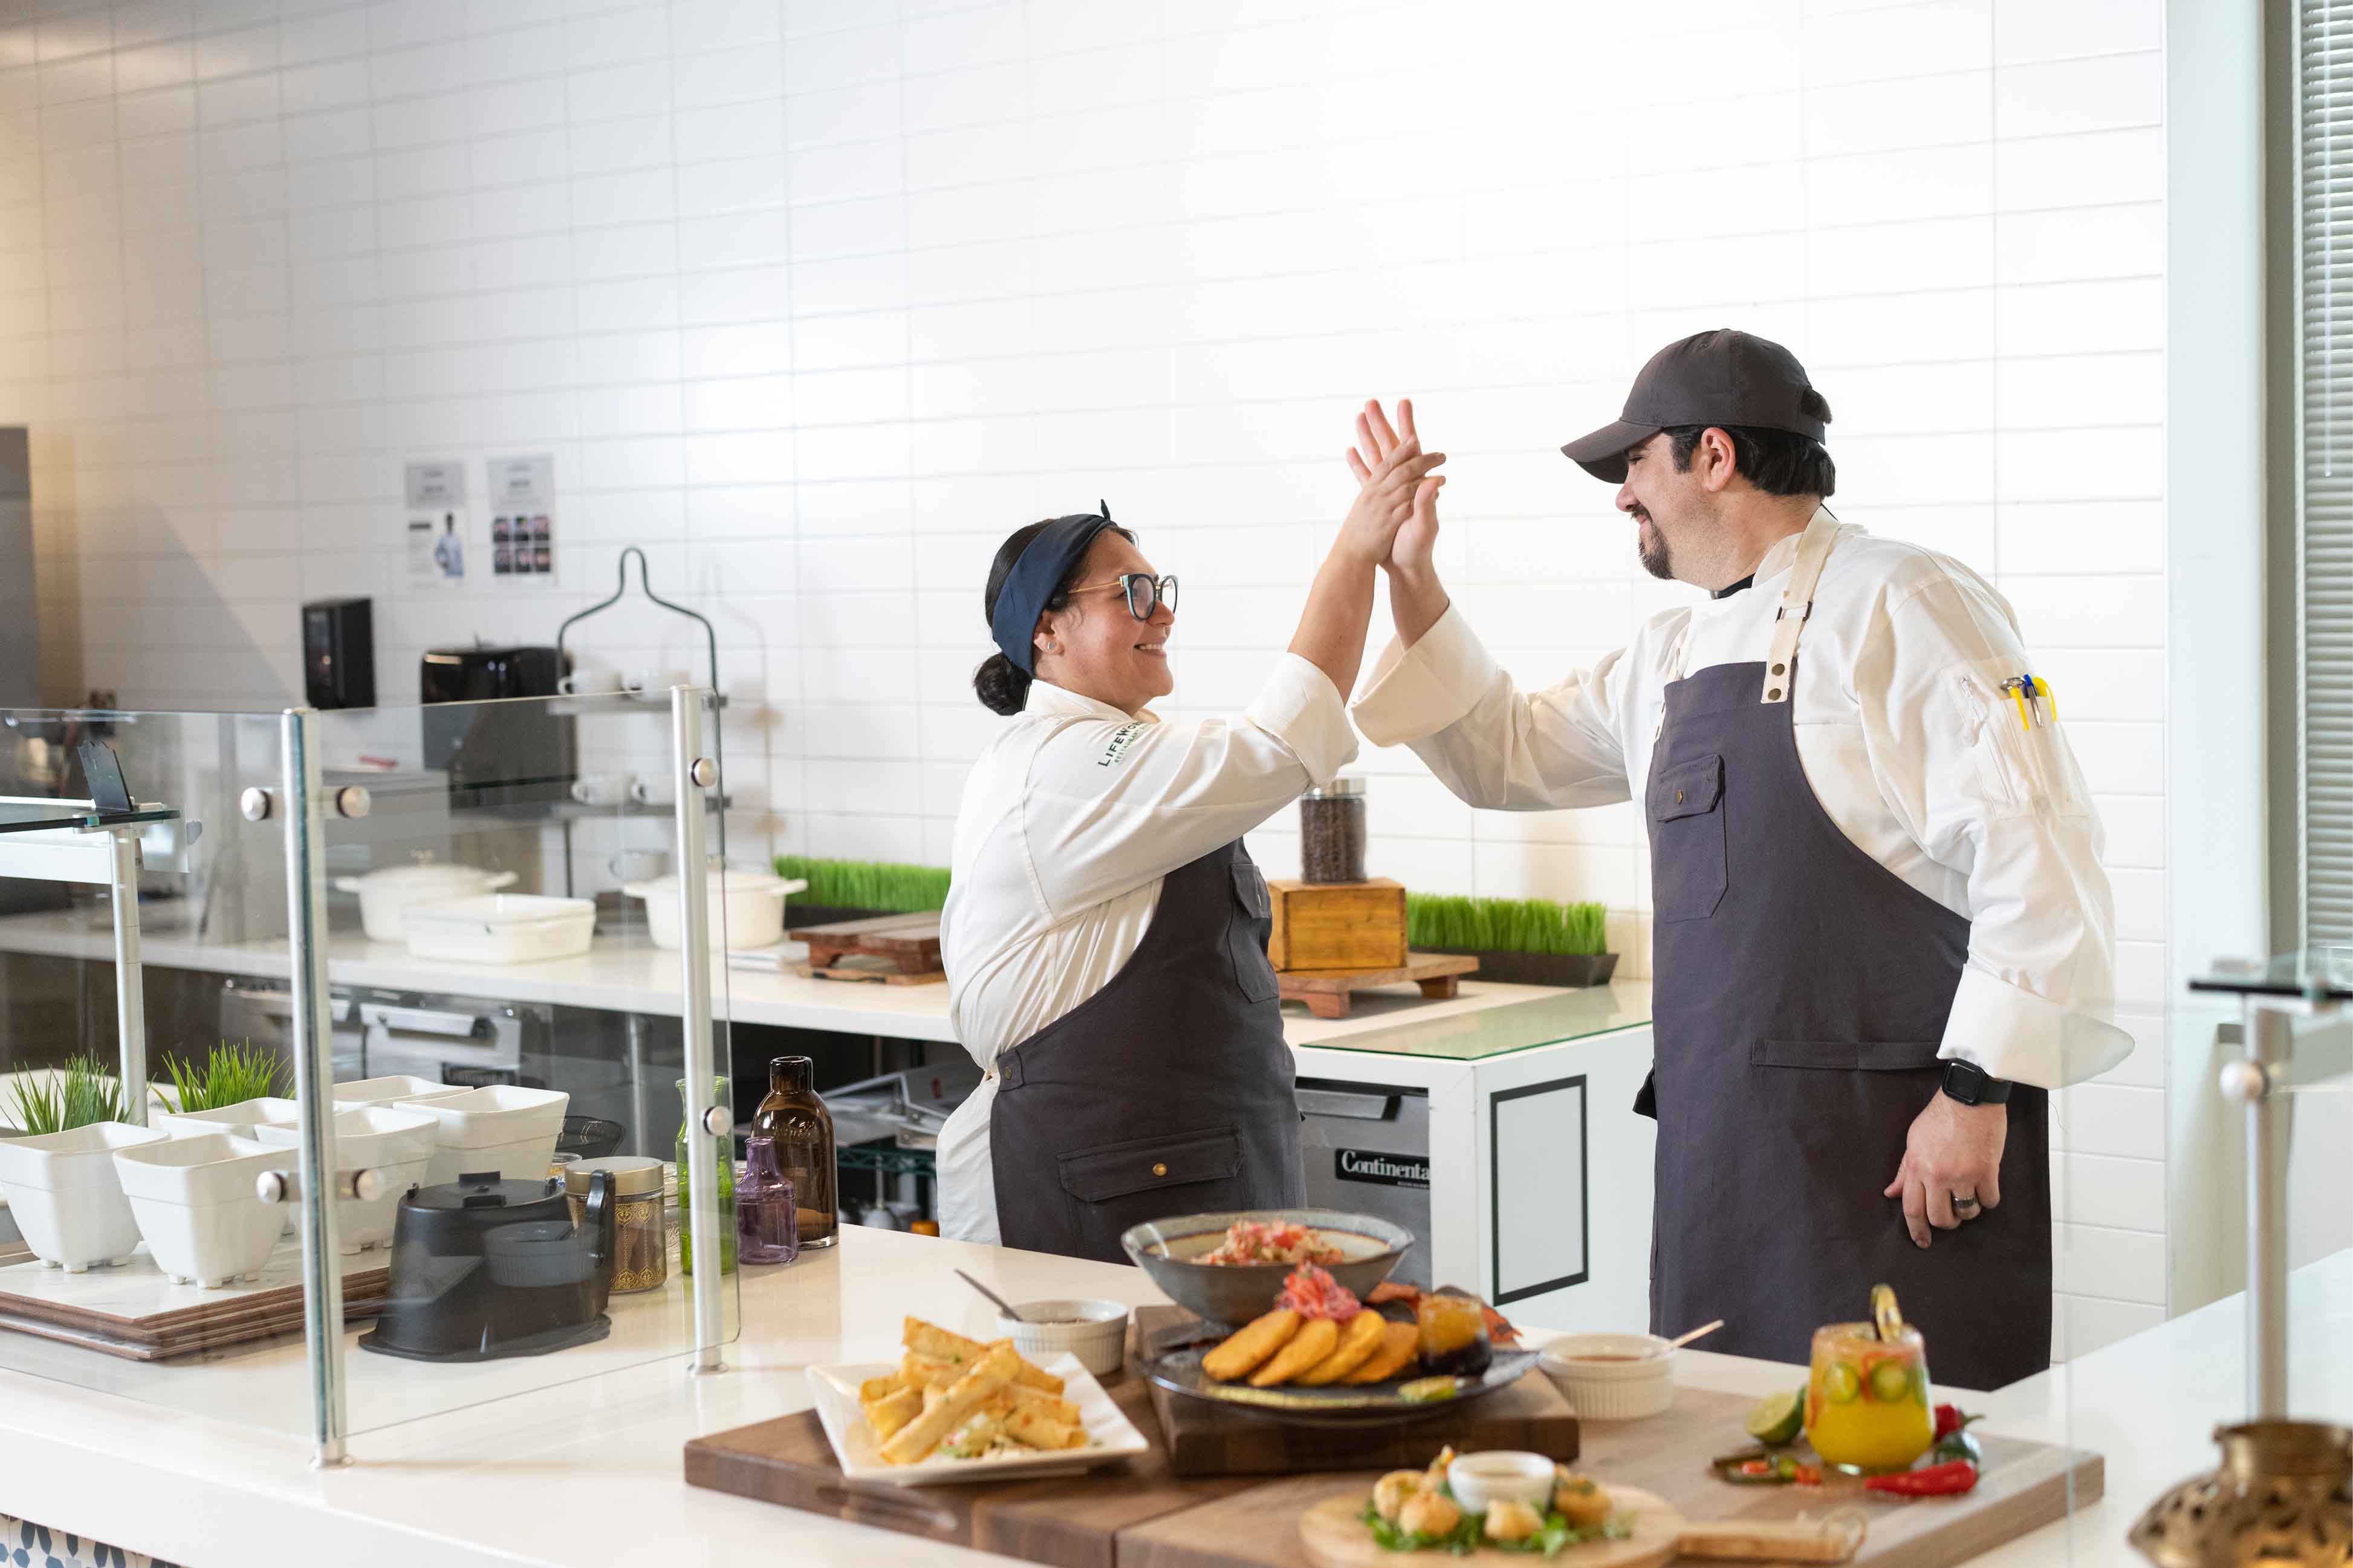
(589, 1473)
(629, 974)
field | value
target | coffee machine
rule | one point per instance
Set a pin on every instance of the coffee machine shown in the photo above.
(497, 754)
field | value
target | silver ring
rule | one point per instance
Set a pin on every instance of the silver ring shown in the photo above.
(1960, 1203)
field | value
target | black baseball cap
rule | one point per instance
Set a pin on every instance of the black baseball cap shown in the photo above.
(1723, 377)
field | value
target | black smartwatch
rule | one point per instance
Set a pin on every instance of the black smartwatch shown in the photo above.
(1972, 1085)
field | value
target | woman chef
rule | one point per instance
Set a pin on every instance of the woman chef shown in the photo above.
(1105, 934)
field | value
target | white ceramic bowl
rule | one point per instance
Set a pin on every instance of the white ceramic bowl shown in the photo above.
(747, 906)
(386, 892)
(1612, 1377)
(234, 1117)
(66, 1197)
(1094, 1331)
(396, 1144)
(501, 1128)
(196, 1207)
(501, 928)
(384, 1091)
(1482, 1481)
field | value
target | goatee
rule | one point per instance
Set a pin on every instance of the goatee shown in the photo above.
(1651, 546)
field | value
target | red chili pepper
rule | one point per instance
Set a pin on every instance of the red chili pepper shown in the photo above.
(1758, 1467)
(1809, 1475)
(1949, 1419)
(1937, 1480)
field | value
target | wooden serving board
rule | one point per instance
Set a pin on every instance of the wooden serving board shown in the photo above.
(135, 1311)
(1327, 992)
(1140, 1514)
(1335, 1536)
(911, 942)
(1206, 1438)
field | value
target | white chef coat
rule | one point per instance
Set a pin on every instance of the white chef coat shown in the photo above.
(1071, 820)
(1905, 736)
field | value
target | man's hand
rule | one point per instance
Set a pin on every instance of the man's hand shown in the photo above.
(1377, 442)
(1954, 1152)
(1397, 484)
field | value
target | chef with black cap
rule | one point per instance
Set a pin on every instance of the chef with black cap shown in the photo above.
(1105, 931)
(1880, 931)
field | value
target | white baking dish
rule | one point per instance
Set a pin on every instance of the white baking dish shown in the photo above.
(388, 891)
(501, 1128)
(501, 928)
(361, 1091)
(235, 1118)
(395, 1143)
(747, 906)
(197, 1207)
(66, 1197)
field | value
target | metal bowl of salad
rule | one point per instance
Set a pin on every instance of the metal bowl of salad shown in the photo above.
(1230, 1267)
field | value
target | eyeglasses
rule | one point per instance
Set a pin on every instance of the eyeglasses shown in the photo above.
(1144, 592)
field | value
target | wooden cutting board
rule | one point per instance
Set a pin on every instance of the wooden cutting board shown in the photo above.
(1327, 992)
(135, 1310)
(911, 942)
(1140, 1515)
(1204, 1438)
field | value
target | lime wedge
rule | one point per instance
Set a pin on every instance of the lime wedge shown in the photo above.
(1422, 1390)
(1776, 1419)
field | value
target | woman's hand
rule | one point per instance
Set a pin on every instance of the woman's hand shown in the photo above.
(1397, 486)
(1414, 538)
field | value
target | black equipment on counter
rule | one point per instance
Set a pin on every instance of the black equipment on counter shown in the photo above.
(518, 755)
(339, 653)
(483, 1268)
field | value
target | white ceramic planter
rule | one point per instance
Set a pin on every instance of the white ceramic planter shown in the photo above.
(386, 893)
(501, 928)
(502, 1127)
(196, 1207)
(747, 908)
(66, 1197)
(396, 1144)
(235, 1118)
(361, 1091)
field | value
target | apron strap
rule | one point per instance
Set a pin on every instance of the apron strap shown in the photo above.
(1798, 603)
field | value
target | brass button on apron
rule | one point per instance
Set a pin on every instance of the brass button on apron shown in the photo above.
(1159, 1170)
(1678, 797)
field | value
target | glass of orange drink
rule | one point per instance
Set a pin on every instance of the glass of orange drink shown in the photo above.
(1867, 1398)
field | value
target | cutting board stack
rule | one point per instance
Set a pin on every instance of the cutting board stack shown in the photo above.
(134, 1311)
(1332, 940)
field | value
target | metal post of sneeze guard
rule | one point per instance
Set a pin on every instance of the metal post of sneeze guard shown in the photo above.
(706, 1124)
(130, 989)
(2268, 1031)
(315, 1077)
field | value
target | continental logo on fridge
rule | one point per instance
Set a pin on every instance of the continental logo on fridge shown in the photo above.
(1121, 739)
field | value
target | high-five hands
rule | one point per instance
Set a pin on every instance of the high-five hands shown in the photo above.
(1398, 487)
(1379, 445)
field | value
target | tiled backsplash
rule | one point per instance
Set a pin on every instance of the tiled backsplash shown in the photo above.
(816, 299)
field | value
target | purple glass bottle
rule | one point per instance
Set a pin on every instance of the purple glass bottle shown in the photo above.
(768, 1228)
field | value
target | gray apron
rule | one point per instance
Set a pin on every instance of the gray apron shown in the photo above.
(1801, 998)
(1168, 1092)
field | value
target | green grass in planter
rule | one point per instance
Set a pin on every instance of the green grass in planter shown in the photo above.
(230, 1074)
(1504, 925)
(867, 884)
(83, 1092)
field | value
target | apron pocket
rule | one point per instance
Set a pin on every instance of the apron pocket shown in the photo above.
(1113, 1186)
(1248, 930)
(1846, 1055)
(1688, 873)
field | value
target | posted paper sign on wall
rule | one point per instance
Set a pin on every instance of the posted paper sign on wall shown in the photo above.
(435, 524)
(522, 519)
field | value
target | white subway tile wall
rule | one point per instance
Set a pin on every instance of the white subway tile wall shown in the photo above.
(816, 300)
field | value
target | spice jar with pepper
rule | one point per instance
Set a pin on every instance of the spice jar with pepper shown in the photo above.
(1331, 832)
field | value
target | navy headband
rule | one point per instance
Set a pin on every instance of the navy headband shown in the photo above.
(1044, 562)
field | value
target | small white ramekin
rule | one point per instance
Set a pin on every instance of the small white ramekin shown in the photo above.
(1480, 1480)
(1097, 1337)
(1613, 1390)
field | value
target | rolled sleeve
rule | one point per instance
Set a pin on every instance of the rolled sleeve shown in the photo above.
(2014, 1034)
(1417, 692)
(1300, 707)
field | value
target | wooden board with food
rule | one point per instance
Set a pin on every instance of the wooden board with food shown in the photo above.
(1494, 1508)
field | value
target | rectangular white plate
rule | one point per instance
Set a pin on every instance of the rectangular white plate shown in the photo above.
(1112, 1436)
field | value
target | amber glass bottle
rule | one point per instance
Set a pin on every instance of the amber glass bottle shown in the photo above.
(798, 1119)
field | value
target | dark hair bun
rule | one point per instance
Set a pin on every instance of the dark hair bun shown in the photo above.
(1002, 685)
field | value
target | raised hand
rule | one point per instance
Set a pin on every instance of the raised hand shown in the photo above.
(1416, 538)
(1395, 485)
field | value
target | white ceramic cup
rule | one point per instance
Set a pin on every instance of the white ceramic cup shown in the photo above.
(608, 789)
(638, 865)
(657, 682)
(590, 683)
(1094, 1331)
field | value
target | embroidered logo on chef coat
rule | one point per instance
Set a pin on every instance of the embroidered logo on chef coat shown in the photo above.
(1121, 740)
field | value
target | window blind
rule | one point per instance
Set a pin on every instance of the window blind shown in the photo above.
(2326, 557)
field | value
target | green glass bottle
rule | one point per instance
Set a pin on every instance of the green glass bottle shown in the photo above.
(726, 1163)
